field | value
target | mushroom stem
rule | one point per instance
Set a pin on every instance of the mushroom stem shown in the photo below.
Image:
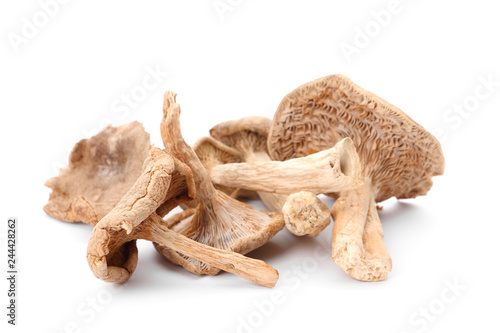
(273, 201)
(357, 243)
(175, 144)
(305, 214)
(253, 270)
(331, 170)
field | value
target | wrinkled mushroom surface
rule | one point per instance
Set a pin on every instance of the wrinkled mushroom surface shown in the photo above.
(397, 155)
(100, 171)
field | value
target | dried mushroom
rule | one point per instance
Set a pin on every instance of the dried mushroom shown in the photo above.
(100, 171)
(218, 220)
(398, 157)
(165, 182)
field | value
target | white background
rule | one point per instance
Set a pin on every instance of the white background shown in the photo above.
(60, 84)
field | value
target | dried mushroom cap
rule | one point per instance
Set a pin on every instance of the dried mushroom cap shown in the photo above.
(100, 171)
(247, 135)
(212, 152)
(219, 220)
(165, 181)
(399, 156)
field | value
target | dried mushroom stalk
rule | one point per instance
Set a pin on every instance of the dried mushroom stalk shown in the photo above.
(100, 171)
(218, 220)
(397, 155)
(305, 214)
(333, 170)
(112, 254)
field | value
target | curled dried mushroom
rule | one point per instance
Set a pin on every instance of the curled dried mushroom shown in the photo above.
(112, 254)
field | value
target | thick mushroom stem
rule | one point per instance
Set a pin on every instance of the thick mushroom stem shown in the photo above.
(174, 143)
(357, 239)
(332, 170)
(305, 214)
(272, 201)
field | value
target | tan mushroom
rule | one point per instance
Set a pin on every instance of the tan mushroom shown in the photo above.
(100, 171)
(165, 181)
(219, 220)
(398, 156)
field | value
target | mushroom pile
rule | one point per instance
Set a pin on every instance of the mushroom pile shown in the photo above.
(328, 136)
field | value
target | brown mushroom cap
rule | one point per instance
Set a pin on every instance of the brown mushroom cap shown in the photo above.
(100, 171)
(398, 155)
(247, 135)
